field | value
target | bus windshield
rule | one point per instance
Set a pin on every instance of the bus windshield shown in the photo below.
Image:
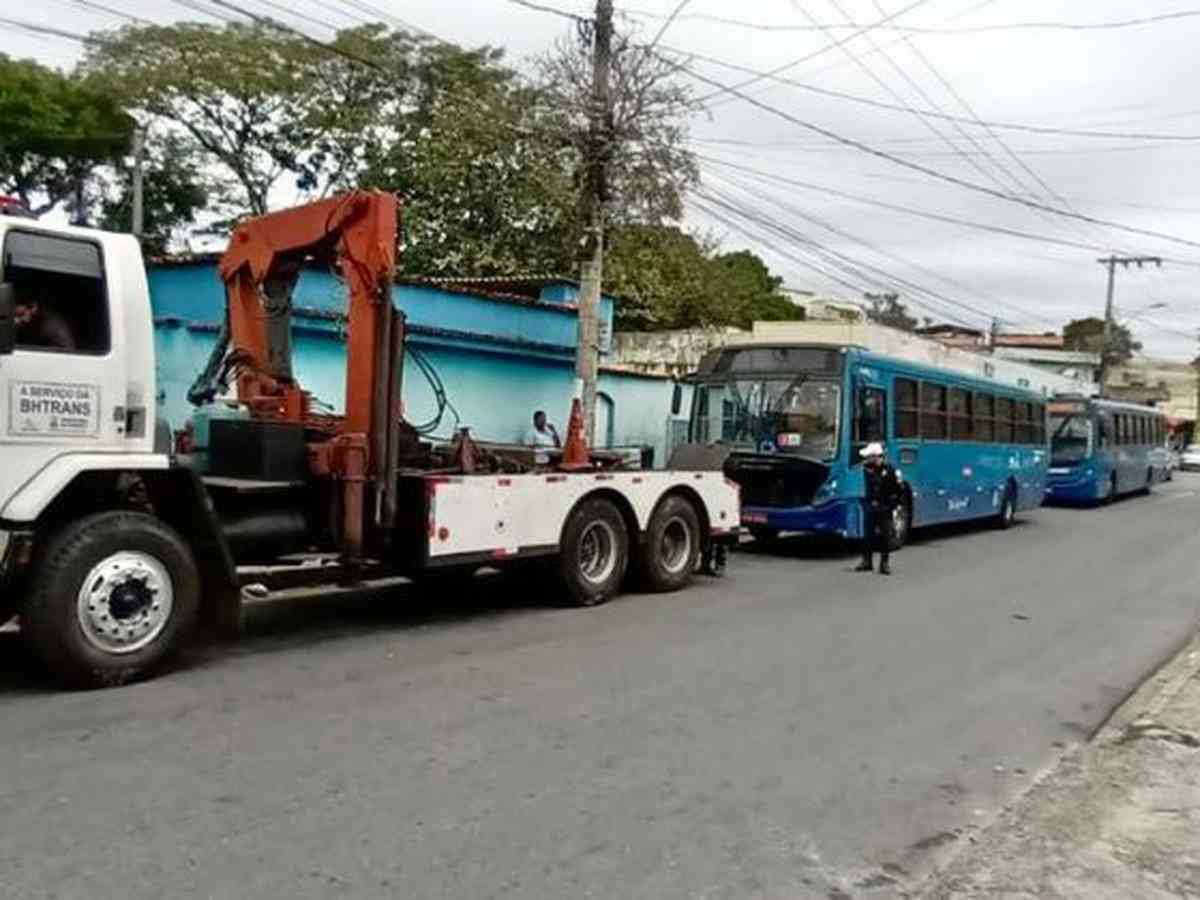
(789, 415)
(1071, 439)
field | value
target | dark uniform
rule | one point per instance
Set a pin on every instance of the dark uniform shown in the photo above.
(883, 496)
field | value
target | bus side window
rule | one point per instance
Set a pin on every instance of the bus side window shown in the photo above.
(906, 408)
(1104, 431)
(870, 420)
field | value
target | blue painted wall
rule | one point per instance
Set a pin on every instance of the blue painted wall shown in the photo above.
(498, 359)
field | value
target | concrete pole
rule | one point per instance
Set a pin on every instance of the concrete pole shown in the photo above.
(587, 364)
(139, 155)
(1111, 262)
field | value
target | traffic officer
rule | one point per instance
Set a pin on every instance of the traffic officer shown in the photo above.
(882, 496)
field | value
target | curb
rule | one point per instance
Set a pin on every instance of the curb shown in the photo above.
(1151, 695)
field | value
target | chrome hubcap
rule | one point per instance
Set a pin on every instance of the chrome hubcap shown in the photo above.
(675, 546)
(597, 552)
(125, 602)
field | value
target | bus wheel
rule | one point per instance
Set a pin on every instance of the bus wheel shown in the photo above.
(901, 522)
(672, 549)
(111, 596)
(594, 553)
(1008, 510)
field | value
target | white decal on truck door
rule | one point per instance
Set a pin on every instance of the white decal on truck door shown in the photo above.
(57, 410)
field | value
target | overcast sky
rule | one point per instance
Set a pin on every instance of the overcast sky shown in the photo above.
(1129, 80)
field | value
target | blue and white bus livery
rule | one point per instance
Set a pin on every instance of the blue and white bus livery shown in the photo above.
(1101, 449)
(795, 417)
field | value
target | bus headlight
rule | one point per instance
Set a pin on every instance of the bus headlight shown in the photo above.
(825, 491)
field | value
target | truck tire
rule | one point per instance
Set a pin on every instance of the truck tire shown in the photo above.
(110, 597)
(672, 549)
(594, 553)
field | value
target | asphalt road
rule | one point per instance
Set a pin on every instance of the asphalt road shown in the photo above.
(794, 730)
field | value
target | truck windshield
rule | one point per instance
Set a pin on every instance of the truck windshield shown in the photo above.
(788, 415)
(1071, 439)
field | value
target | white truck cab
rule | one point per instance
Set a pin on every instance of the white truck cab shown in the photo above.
(90, 404)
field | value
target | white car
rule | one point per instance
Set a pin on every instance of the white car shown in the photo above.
(1189, 458)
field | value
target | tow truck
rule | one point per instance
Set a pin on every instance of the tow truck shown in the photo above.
(116, 546)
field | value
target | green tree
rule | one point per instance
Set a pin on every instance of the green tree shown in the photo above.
(57, 130)
(665, 279)
(1088, 335)
(886, 309)
(245, 99)
(752, 291)
(175, 191)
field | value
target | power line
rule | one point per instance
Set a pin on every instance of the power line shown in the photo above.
(46, 30)
(100, 7)
(931, 172)
(914, 29)
(312, 20)
(907, 210)
(667, 23)
(776, 200)
(935, 114)
(863, 269)
(562, 13)
(796, 62)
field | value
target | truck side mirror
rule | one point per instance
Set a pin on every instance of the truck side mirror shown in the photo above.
(8, 322)
(676, 399)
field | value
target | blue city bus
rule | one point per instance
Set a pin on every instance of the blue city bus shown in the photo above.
(794, 418)
(1101, 449)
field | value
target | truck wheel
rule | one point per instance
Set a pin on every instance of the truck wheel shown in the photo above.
(594, 553)
(111, 596)
(672, 549)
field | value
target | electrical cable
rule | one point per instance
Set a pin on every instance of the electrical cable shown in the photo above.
(809, 56)
(930, 30)
(935, 173)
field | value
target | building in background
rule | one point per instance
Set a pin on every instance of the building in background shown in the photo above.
(502, 349)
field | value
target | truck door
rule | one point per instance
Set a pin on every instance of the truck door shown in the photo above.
(62, 389)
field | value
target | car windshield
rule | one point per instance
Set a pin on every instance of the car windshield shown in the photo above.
(1071, 439)
(789, 415)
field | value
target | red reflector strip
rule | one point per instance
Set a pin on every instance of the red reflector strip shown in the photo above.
(444, 479)
(554, 479)
(604, 478)
(504, 482)
(502, 553)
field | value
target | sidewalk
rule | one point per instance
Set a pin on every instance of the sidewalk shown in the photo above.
(1118, 818)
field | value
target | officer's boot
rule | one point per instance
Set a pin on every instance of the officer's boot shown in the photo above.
(866, 564)
(884, 568)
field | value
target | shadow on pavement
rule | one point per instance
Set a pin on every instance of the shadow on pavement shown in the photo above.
(297, 619)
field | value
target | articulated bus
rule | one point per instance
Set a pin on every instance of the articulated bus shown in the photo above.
(1101, 449)
(796, 417)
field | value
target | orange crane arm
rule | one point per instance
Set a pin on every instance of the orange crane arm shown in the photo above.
(260, 267)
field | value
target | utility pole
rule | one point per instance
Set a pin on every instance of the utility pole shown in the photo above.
(139, 155)
(587, 352)
(1112, 262)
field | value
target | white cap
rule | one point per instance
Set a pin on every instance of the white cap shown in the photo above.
(873, 449)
